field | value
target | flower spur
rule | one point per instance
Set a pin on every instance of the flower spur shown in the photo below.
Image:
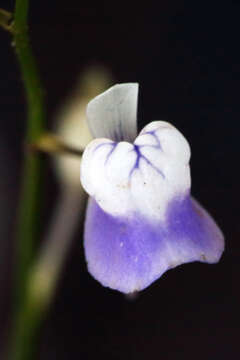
(141, 219)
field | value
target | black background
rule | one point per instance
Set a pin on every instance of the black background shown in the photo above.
(186, 57)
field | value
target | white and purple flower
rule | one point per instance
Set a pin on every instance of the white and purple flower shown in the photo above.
(141, 219)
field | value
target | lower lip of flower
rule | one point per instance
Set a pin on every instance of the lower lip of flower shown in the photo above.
(129, 253)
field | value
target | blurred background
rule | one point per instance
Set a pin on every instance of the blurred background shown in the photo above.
(186, 57)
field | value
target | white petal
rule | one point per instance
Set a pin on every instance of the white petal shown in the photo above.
(173, 143)
(102, 175)
(113, 114)
(142, 177)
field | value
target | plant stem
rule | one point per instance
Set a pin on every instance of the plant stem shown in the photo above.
(29, 207)
(52, 145)
(30, 196)
(29, 71)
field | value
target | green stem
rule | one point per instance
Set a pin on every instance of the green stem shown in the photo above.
(29, 71)
(29, 213)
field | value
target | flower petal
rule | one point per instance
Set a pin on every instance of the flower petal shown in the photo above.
(128, 254)
(113, 114)
(142, 177)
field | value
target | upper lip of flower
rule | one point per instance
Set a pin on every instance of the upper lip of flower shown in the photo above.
(113, 114)
(141, 173)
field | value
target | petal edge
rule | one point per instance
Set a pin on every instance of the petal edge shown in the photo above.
(113, 114)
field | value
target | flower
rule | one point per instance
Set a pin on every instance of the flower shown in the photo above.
(141, 219)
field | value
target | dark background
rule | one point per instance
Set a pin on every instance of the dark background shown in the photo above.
(186, 57)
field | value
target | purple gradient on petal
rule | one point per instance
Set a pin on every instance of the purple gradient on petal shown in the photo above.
(128, 254)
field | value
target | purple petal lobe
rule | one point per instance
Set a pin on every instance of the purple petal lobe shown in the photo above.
(129, 253)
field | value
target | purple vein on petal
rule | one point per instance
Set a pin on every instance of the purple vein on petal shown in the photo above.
(140, 156)
(118, 133)
(158, 145)
(113, 147)
(104, 144)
